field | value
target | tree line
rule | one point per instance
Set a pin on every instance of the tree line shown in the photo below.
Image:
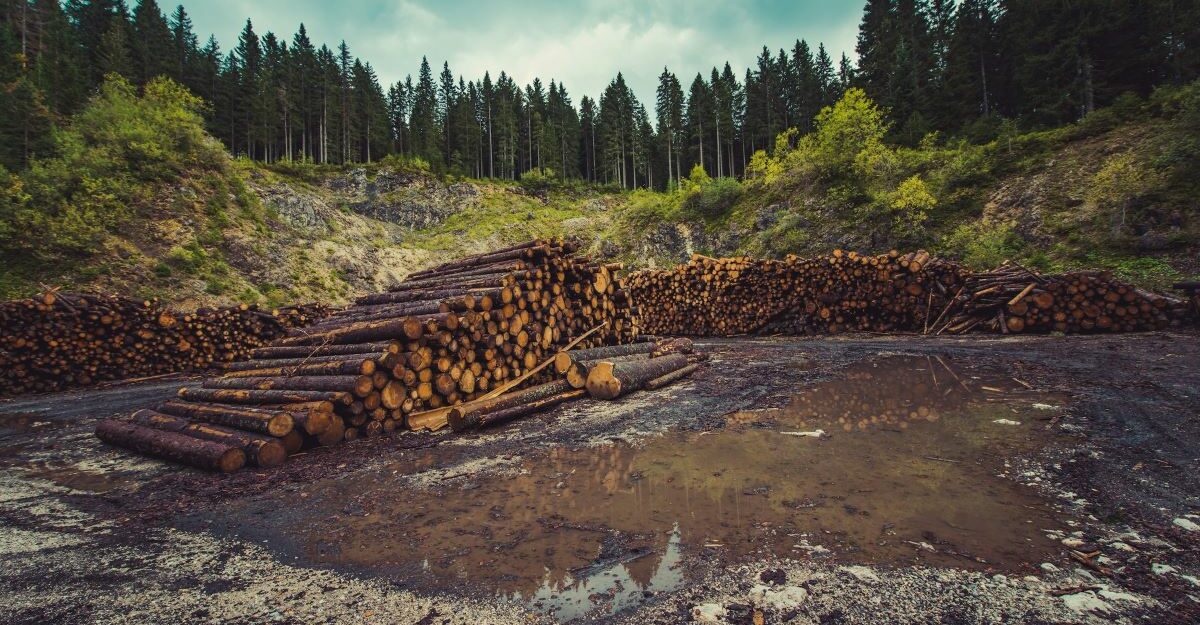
(935, 65)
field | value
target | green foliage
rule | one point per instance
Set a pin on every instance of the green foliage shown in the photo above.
(981, 244)
(909, 205)
(709, 198)
(1113, 189)
(109, 160)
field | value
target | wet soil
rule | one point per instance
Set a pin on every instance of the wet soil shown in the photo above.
(846, 466)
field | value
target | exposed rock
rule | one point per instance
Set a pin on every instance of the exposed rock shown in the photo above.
(709, 613)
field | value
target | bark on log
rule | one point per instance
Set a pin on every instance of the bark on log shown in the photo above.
(172, 446)
(496, 417)
(255, 397)
(262, 451)
(671, 377)
(563, 360)
(609, 380)
(360, 385)
(271, 422)
(340, 367)
(460, 416)
(305, 351)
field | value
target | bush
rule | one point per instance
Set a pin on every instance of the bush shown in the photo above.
(983, 245)
(109, 160)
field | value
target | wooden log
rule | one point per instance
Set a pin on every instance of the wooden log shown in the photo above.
(360, 385)
(306, 351)
(340, 367)
(172, 446)
(271, 422)
(609, 380)
(496, 417)
(262, 451)
(671, 377)
(459, 417)
(563, 360)
(256, 397)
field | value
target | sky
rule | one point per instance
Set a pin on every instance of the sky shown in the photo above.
(582, 43)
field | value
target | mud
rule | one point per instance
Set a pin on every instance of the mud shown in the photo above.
(952, 482)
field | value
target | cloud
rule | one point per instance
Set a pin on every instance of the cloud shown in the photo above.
(582, 43)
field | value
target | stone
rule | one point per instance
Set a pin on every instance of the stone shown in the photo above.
(709, 613)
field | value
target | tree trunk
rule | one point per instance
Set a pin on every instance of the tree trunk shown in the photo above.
(172, 446)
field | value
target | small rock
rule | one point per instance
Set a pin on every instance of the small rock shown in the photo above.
(1186, 524)
(784, 598)
(711, 613)
(773, 576)
(864, 574)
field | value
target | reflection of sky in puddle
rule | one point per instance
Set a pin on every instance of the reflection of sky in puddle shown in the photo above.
(907, 476)
(572, 598)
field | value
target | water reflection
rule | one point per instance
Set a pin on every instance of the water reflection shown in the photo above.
(906, 476)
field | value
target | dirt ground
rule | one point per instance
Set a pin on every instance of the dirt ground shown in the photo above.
(1087, 447)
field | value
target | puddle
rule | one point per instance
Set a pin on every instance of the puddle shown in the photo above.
(904, 474)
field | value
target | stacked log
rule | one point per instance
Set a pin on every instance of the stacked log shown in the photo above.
(849, 292)
(61, 340)
(844, 291)
(1012, 299)
(462, 333)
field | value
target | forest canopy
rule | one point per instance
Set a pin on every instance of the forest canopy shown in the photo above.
(963, 69)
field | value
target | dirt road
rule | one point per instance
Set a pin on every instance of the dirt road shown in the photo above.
(849, 480)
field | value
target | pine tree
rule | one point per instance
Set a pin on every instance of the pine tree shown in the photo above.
(112, 56)
(970, 67)
(587, 138)
(185, 48)
(153, 49)
(826, 80)
(57, 64)
(699, 117)
(669, 117)
(425, 129)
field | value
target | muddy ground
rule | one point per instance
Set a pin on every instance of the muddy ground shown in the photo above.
(849, 480)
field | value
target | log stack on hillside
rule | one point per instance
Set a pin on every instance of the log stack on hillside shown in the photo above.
(479, 334)
(844, 291)
(847, 292)
(61, 340)
(1012, 299)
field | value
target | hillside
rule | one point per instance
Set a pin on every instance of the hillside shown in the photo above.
(129, 207)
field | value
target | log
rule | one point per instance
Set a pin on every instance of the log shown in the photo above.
(306, 351)
(460, 417)
(360, 385)
(496, 417)
(262, 451)
(256, 397)
(271, 422)
(172, 446)
(608, 380)
(341, 367)
(563, 360)
(671, 377)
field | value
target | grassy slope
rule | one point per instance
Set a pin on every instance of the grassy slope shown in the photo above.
(278, 234)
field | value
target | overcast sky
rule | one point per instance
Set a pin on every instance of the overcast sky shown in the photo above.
(582, 43)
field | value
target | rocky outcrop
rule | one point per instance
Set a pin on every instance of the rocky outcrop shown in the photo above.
(413, 201)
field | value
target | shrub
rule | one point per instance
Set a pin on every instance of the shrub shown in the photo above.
(983, 245)
(116, 148)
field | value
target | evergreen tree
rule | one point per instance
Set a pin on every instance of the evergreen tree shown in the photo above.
(153, 48)
(113, 56)
(669, 106)
(184, 46)
(425, 130)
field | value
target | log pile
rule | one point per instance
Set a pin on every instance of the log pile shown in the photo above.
(474, 338)
(60, 340)
(848, 292)
(1012, 299)
(842, 292)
